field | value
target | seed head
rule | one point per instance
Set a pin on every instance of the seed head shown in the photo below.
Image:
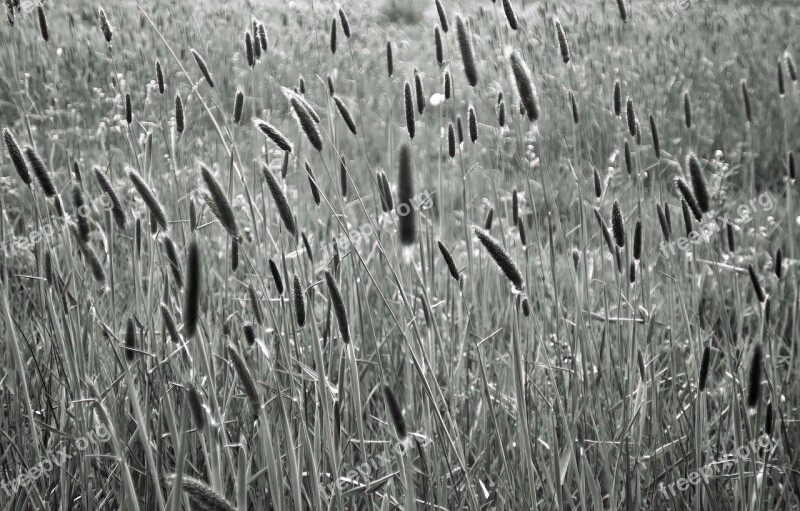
(299, 302)
(201, 64)
(273, 134)
(169, 323)
(346, 115)
(149, 198)
(276, 276)
(420, 93)
(467, 52)
(562, 42)
(510, 15)
(238, 104)
(218, 203)
(41, 172)
(15, 154)
(312, 181)
(339, 310)
(756, 284)
(699, 186)
(754, 376)
(279, 198)
(179, 119)
(525, 89)
(160, 77)
(442, 16)
(105, 26)
(618, 225)
(396, 413)
(407, 216)
(345, 23)
(654, 134)
(191, 291)
(690, 199)
(501, 257)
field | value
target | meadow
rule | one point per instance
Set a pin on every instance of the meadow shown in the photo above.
(433, 255)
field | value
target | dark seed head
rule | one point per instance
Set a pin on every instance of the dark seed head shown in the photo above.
(276, 276)
(312, 181)
(448, 261)
(687, 217)
(731, 241)
(346, 115)
(299, 302)
(511, 16)
(760, 294)
(754, 376)
(42, 23)
(130, 340)
(662, 220)
(637, 240)
(472, 121)
(160, 77)
(41, 172)
(487, 224)
(273, 134)
(179, 120)
(687, 110)
(442, 16)
(623, 13)
(598, 184)
(238, 104)
(690, 199)
(420, 93)
(171, 253)
(249, 333)
(451, 140)
(396, 413)
(631, 117)
(748, 111)
(501, 257)
(407, 217)
(337, 303)
(333, 35)
(105, 26)
(389, 59)
(128, 108)
(345, 23)
(618, 225)
(467, 52)
(409, 105)
(699, 186)
(524, 84)
(654, 134)
(437, 39)
(617, 98)
(201, 64)
(705, 364)
(779, 263)
(169, 323)
(15, 154)
(562, 42)
(192, 289)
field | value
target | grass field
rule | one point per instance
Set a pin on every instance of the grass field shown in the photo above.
(415, 255)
